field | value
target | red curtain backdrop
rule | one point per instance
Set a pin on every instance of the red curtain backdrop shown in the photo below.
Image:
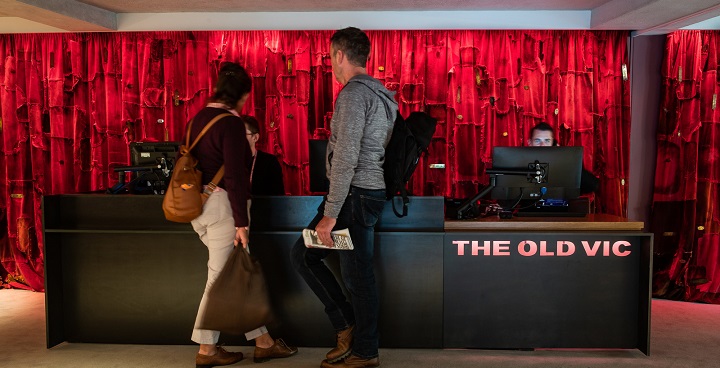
(686, 203)
(71, 103)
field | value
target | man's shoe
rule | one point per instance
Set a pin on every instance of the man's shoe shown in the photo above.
(279, 350)
(222, 357)
(344, 345)
(352, 362)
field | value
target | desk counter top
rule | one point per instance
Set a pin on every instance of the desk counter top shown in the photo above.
(592, 222)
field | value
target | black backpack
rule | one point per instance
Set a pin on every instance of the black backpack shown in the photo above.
(410, 139)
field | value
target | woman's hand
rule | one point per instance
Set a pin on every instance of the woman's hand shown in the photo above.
(242, 236)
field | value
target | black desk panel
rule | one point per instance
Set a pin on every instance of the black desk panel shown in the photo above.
(118, 272)
(406, 295)
(547, 290)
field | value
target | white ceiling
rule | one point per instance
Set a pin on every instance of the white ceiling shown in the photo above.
(643, 16)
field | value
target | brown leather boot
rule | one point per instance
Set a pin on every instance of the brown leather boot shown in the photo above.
(352, 361)
(222, 357)
(344, 345)
(279, 350)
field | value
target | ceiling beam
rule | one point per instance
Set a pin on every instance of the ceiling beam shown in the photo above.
(363, 19)
(696, 20)
(69, 15)
(652, 16)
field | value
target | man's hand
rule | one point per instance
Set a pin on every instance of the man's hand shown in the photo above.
(242, 236)
(323, 229)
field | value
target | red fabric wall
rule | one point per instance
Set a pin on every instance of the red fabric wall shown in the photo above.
(686, 201)
(71, 103)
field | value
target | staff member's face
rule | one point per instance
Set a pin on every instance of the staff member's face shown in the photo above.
(251, 137)
(541, 138)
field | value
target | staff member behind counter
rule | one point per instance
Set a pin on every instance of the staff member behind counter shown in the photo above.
(543, 135)
(266, 176)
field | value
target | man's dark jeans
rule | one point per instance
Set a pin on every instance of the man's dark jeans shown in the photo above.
(359, 214)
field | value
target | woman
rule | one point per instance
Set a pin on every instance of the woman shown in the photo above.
(224, 221)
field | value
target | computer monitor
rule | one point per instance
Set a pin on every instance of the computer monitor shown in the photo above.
(555, 172)
(153, 153)
(152, 164)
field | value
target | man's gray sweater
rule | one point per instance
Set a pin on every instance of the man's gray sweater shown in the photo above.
(360, 130)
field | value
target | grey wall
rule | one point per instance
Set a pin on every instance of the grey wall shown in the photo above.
(646, 55)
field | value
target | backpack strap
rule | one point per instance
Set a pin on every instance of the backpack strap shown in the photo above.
(221, 172)
(388, 108)
(213, 183)
(405, 200)
(202, 132)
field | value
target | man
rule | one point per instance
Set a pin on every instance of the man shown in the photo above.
(265, 173)
(361, 126)
(543, 135)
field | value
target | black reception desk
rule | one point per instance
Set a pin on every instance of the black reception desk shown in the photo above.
(117, 272)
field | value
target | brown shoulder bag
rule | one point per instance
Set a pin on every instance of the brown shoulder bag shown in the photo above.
(184, 197)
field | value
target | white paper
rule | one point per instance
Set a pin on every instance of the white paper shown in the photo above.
(341, 238)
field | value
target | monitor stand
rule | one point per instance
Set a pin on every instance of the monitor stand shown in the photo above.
(465, 210)
(122, 186)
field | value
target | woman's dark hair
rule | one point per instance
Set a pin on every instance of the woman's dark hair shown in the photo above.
(354, 43)
(233, 82)
(252, 124)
